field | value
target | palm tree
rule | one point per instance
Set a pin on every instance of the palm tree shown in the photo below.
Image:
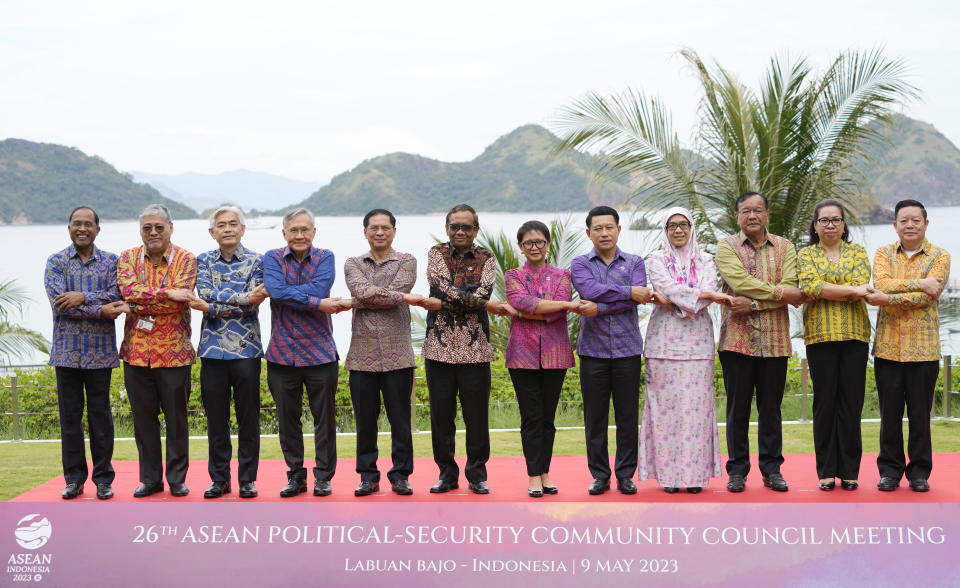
(793, 139)
(565, 244)
(16, 341)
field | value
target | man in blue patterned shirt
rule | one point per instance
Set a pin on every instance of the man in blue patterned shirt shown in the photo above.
(230, 290)
(81, 283)
(302, 354)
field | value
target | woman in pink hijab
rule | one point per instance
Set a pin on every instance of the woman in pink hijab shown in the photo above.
(679, 446)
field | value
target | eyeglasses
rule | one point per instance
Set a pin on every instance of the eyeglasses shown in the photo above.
(531, 245)
(682, 225)
(456, 227)
(826, 222)
(748, 211)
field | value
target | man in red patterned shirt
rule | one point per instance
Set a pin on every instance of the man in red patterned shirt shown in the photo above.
(156, 281)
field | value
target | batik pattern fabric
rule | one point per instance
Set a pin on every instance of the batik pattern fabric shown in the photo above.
(833, 320)
(538, 344)
(460, 331)
(760, 273)
(144, 286)
(81, 339)
(615, 331)
(679, 443)
(300, 333)
(908, 328)
(380, 340)
(231, 328)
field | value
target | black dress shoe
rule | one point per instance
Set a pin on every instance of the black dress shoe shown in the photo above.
(479, 487)
(104, 491)
(887, 484)
(179, 490)
(599, 486)
(827, 486)
(671, 489)
(775, 482)
(401, 487)
(322, 488)
(626, 486)
(919, 485)
(443, 486)
(247, 490)
(217, 489)
(366, 488)
(694, 489)
(144, 490)
(550, 490)
(736, 483)
(295, 485)
(851, 485)
(71, 491)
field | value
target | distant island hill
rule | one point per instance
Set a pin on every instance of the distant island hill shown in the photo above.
(517, 173)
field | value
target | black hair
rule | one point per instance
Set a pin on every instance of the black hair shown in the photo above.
(908, 203)
(814, 237)
(532, 225)
(464, 208)
(375, 212)
(745, 195)
(602, 211)
(96, 217)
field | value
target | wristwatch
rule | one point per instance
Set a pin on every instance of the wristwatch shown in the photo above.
(754, 306)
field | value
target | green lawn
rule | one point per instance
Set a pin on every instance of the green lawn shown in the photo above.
(26, 465)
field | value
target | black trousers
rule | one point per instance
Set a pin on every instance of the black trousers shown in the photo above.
(217, 378)
(538, 392)
(913, 383)
(742, 376)
(838, 370)
(601, 379)
(151, 390)
(286, 385)
(471, 382)
(365, 390)
(71, 383)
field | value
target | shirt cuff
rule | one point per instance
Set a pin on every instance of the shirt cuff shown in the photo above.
(778, 293)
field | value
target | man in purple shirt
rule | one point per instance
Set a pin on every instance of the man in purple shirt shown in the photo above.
(81, 283)
(302, 353)
(611, 284)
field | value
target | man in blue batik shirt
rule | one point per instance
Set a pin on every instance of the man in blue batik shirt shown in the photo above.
(230, 289)
(81, 283)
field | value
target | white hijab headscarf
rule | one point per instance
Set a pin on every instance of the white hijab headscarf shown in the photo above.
(683, 263)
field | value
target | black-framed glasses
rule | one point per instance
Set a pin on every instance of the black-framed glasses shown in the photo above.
(682, 225)
(456, 227)
(826, 222)
(535, 244)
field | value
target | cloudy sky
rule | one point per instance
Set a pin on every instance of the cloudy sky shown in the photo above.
(310, 89)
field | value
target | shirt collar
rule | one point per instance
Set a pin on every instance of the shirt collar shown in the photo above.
(238, 254)
(619, 254)
(743, 238)
(471, 252)
(392, 255)
(288, 253)
(72, 252)
(924, 247)
(166, 254)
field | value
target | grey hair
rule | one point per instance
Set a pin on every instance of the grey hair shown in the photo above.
(228, 208)
(156, 210)
(296, 212)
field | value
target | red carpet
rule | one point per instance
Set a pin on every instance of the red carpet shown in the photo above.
(508, 483)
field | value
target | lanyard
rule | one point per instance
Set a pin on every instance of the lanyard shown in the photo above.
(143, 266)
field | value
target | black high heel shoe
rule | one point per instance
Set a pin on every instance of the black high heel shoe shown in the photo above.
(851, 485)
(827, 486)
(671, 489)
(534, 493)
(550, 490)
(694, 490)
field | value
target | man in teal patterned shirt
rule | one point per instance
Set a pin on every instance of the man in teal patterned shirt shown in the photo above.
(230, 290)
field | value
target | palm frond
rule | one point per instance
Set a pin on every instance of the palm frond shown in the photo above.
(17, 342)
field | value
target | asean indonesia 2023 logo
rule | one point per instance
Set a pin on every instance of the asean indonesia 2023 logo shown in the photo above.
(33, 531)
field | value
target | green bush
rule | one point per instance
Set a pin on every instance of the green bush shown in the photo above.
(37, 398)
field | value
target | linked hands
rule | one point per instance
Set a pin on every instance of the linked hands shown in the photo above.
(67, 300)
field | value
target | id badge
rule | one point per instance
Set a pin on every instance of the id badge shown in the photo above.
(145, 324)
